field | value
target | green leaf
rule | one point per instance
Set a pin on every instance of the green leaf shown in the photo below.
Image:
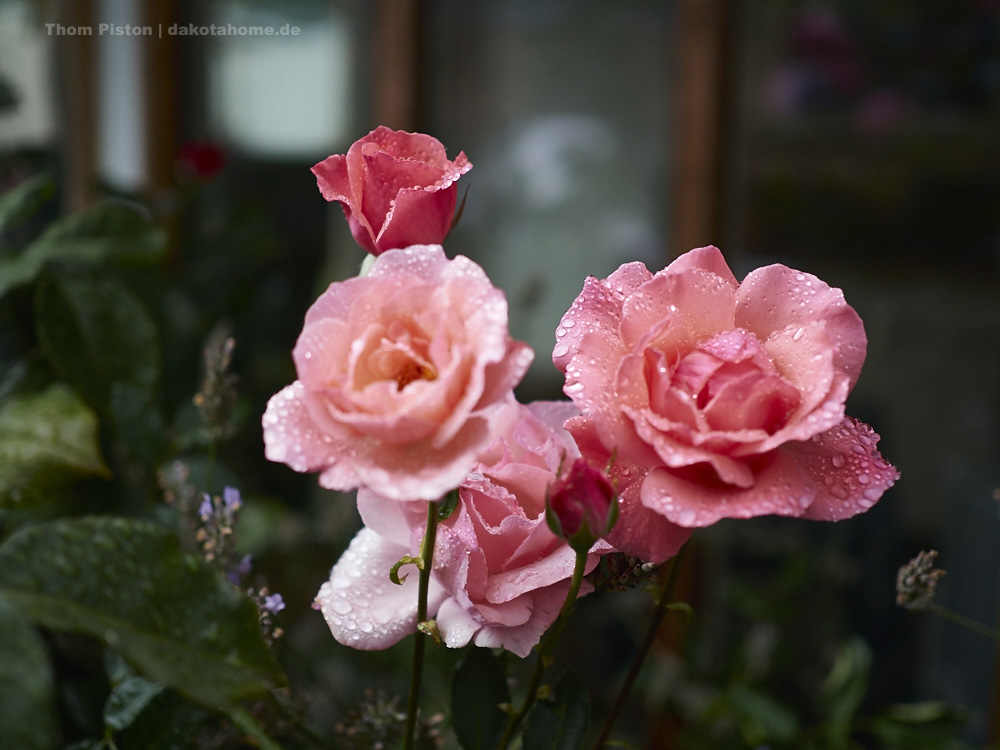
(27, 716)
(46, 439)
(101, 340)
(477, 690)
(130, 693)
(560, 723)
(173, 616)
(845, 688)
(106, 231)
(761, 719)
(167, 722)
(22, 202)
(96, 333)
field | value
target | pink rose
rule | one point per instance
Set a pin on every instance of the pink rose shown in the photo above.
(500, 576)
(730, 395)
(396, 188)
(396, 372)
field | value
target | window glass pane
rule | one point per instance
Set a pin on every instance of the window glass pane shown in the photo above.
(287, 94)
(27, 115)
(561, 106)
(870, 155)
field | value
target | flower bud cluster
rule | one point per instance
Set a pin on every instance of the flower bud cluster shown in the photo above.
(917, 580)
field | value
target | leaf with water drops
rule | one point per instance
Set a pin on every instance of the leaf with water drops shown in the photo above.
(26, 689)
(99, 338)
(46, 440)
(106, 231)
(125, 581)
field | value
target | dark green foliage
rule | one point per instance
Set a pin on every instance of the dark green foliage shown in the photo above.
(27, 704)
(47, 440)
(477, 693)
(559, 722)
(127, 583)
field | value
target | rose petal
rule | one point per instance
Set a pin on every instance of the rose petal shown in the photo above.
(290, 435)
(455, 624)
(846, 467)
(694, 497)
(776, 297)
(708, 258)
(362, 607)
(545, 606)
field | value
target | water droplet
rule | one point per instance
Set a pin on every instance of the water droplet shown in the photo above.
(838, 461)
(864, 478)
(839, 492)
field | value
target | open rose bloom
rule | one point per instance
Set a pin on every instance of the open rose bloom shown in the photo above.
(499, 575)
(397, 371)
(730, 396)
(396, 188)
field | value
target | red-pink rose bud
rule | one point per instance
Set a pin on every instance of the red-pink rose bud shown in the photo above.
(582, 505)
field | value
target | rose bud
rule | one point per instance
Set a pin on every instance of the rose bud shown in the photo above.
(396, 188)
(582, 506)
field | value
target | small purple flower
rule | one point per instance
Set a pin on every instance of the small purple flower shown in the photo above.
(231, 497)
(241, 571)
(273, 603)
(206, 510)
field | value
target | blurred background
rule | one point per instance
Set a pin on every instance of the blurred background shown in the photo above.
(858, 140)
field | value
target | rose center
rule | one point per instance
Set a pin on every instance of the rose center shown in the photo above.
(411, 371)
(726, 383)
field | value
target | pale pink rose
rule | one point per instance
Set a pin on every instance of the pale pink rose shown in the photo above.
(396, 188)
(731, 396)
(396, 373)
(500, 576)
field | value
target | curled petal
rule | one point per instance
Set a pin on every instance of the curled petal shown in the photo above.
(847, 469)
(363, 609)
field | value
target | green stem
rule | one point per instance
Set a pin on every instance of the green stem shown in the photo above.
(242, 719)
(666, 595)
(210, 467)
(420, 642)
(545, 650)
(966, 622)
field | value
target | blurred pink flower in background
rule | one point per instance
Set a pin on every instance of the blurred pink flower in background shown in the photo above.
(396, 188)
(730, 396)
(499, 575)
(396, 372)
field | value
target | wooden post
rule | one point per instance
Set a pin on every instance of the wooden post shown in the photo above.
(703, 46)
(396, 70)
(78, 105)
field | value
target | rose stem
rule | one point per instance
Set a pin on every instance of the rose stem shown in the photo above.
(545, 650)
(426, 559)
(665, 597)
